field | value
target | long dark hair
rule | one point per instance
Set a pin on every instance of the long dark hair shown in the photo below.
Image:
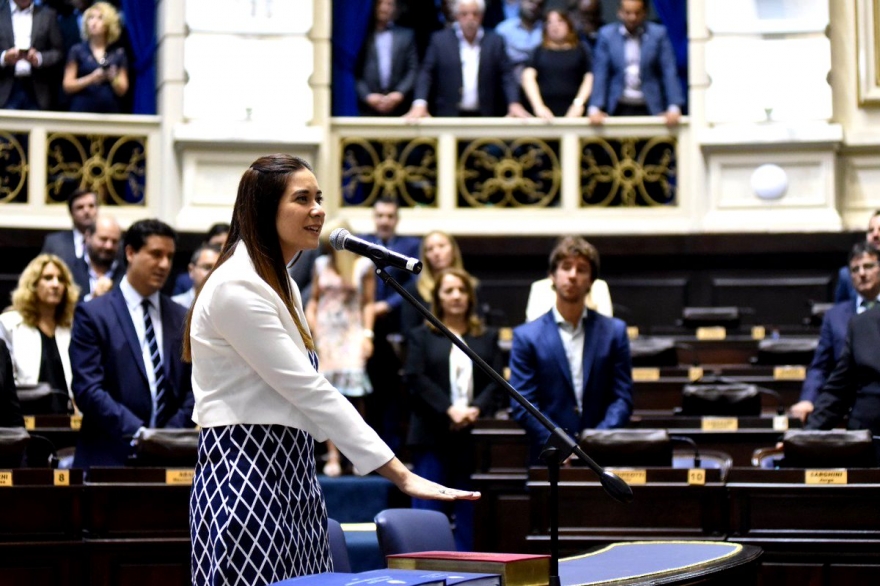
(253, 222)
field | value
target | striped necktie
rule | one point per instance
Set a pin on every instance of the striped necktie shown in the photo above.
(158, 371)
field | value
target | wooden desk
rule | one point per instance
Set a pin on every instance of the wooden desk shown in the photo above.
(823, 535)
(666, 507)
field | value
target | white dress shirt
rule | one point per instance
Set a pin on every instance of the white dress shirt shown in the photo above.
(383, 42)
(461, 377)
(470, 69)
(134, 302)
(22, 31)
(79, 242)
(251, 366)
(573, 342)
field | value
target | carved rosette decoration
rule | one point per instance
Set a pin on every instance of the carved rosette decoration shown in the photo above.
(628, 172)
(113, 166)
(404, 169)
(13, 168)
(524, 172)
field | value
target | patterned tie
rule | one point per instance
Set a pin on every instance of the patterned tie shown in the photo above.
(158, 371)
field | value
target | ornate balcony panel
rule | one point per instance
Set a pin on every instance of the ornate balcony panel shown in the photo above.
(524, 172)
(628, 172)
(111, 165)
(13, 167)
(405, 169)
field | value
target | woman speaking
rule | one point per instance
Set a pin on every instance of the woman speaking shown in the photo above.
(257, 512)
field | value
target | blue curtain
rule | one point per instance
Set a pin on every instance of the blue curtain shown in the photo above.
(350, 18)
(140, 22)
(673, 14)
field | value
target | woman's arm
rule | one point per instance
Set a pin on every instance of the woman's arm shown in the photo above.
(120, 82)
(418, 487)
(529, 84)
(576, 110)
(368, 314)
(73, 84)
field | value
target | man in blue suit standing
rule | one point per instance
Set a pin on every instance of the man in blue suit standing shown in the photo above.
(634, 69)
(845, 290)
(125, 351)
(70, 245)
(864, 272)
(386, 410)
(572, 363)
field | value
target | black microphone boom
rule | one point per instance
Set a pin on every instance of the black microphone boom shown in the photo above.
(341, 239)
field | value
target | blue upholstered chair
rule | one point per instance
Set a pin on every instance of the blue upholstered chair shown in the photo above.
(338, 548)
(409, 530)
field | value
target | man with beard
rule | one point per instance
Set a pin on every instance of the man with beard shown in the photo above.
(99, 269)
(125, 350)
(572, 363)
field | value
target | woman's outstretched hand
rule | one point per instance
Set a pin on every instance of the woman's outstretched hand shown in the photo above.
(422, 488)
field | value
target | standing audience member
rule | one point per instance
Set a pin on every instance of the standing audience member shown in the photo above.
(448, 394)
(587, 18)
(851, 395)
(96, 74)
(634, 68)
(466, 71)
(125, 351)
(30, 52)
(340, 315)
(845, 290)
(260, 401)
(387, 66)
(10, 408)
(200, 265)
(37, 330)
(438, 251)
(69, 245)
(100, 269)
(385, 410)
(216, 235)
(522, 34)
(864, 267)
(572, 363)
(558, 78)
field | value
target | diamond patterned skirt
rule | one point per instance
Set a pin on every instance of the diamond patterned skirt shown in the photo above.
(257, 512)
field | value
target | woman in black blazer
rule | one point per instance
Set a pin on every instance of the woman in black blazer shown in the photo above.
(448, 394)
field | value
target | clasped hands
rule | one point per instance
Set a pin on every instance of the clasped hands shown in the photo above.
(462, 417)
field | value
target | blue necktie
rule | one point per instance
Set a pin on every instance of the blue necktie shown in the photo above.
(158, 371)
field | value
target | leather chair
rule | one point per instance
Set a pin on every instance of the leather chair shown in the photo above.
(409, 530)
(338, 547)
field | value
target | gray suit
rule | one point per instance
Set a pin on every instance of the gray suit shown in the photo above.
(45, 38)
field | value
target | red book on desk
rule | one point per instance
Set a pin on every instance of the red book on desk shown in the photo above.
(516, 569)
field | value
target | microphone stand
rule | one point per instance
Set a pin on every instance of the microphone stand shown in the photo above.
(559, 445)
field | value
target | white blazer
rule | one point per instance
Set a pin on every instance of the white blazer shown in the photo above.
(251, 366)
(26, 348)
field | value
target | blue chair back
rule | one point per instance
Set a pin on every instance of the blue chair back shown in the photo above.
(338, 548)
(409, 530)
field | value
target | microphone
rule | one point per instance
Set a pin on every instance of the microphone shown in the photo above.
(341, 239)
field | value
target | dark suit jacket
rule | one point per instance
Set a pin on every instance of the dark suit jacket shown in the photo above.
(406, 245)
(10, 409)
(427, 381)
(854, 387)
(61, 245)
(80, 271)
(110, 380)
(832, 339)
(657, 71)
(539, 370)
(45, 38)
(440, 81)
(404, 68)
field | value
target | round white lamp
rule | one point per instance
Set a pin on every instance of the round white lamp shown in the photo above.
(769, 182)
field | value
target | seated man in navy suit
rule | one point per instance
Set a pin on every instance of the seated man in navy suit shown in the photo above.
(634, 69)
(864, 270)
(125, 352)
(572, 363)
(69, 245)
